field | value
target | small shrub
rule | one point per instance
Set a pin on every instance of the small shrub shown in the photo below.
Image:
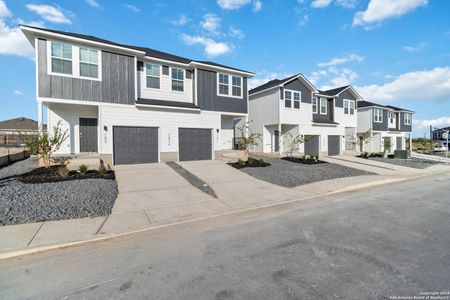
(102, 169)
(364, 154)
(304, 157)
(83, 169)
(250, 161)
(261, 161)
(63, 171)
(241, 162)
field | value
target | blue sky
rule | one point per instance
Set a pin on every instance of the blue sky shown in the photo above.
(392, 52)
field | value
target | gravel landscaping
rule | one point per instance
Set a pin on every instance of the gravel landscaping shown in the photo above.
(415, 163)
(289, 174)
(26, 203)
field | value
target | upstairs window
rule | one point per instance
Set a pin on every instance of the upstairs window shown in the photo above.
(177, 80)
(408, 118)
(223, 84)
(61, 56)
(287, 99)
(153, 75)
(378, 115)
(236, 83)
(296, 100)
(314, 105)
(349, 107)
(88, 63)
(323, 106)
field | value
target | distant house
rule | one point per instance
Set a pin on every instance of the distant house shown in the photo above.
(12, 130)
(439, 133)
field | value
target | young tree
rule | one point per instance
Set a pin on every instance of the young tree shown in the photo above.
(247, 138)
(364, 138)
(293, 142)
(44, 145)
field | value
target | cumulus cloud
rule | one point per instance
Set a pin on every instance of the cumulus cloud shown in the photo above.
(93, 3)
(232, 4)
(4, 11)
(427, 85)
(341, 60)
(236, 32)
(303, 20)
(414, 49)
(380, 10)
(320, 3)
(421, 126)
(347, 3)
(211, 47)
(182, 20)
(257, 6)
(49, 13)
(211, 23)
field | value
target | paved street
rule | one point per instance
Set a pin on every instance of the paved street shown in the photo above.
(371, 244)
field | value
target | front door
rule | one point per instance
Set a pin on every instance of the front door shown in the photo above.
(88, 135)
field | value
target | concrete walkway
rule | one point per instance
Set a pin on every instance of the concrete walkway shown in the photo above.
(153, 195)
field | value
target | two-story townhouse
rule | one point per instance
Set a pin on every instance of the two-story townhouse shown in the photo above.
(281, 109)
(385, 122)
(133, 104)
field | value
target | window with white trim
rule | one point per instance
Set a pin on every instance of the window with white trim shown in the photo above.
(236, 86)
(296, 100)
(153, 73)
(61, 58)
(223, 84)
(88, 63)
(177, 80)
(287, 99)
(408, 119)
(378, 115)
(349, 107)
(314, 105)
(323, 106)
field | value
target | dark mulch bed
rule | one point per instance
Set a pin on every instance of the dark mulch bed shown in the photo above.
(256, 163)
(50, 174)
(305, 161)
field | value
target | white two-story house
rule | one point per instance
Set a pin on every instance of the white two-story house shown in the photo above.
(385, 122)
(133, 104)
(292, 106)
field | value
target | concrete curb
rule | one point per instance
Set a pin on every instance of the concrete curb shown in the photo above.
(351, 188)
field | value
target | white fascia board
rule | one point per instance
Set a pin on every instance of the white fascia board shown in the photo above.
(195, 64)
(166, 107)
(169, 62)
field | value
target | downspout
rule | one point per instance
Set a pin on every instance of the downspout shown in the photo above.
(279, 122)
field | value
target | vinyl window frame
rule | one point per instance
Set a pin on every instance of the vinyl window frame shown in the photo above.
(349, 105)
(315, 105)
(378, 115)
(229, 85)
(172, 80)
(408, 119)
(153, 76)
(88, 63)
(321, 101)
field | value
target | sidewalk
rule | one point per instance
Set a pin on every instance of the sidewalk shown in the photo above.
(184, 205)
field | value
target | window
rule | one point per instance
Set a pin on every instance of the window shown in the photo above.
(378, 115)
(88, 63)
(314, 105)
(153, 76)
(177, 80)
(408, 118)
(236, 83)
(323, 106)
(349, 107)
(61, 56)
(223, 84)
(296, 100)
(287, 99)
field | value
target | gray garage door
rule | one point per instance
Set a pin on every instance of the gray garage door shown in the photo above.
(312, 145)
(194, 144)
(399, 143)
(334, 145)
(135, 145)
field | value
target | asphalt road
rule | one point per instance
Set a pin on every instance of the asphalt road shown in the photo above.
(373, 244)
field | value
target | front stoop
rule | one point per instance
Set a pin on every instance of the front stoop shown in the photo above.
(231, 156)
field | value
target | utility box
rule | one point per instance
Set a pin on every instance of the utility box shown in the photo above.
(402, 154)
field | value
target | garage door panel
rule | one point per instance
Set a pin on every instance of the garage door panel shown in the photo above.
(135, 145)
(312, 145)
(194, 144)
(334, 145)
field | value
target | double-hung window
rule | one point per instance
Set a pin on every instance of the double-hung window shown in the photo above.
(378, 115)
(223, 84)
(177, 80)
(88, 63)
(349, 107)
(236, 83)
(153, 75)
(323, 106)
(287, 99)
(61, 56)
(408, 119)
(296, 100)
(314, 105)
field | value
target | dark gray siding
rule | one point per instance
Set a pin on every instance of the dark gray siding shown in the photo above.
(403, 127)
(209, 100)
(344, 95)
(117, 85)
(330, 112)
(297, 85)
(380, 126)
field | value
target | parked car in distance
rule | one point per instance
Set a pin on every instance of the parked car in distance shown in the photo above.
(440, 147)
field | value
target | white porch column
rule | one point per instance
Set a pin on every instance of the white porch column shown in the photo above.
(410, 142)
(40, 116)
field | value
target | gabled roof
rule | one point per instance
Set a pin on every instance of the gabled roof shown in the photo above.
(362, 104)
(334, 92)
(146, 51)
(19, 124)
(279, 82)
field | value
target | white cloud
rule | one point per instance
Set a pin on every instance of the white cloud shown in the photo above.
(182, 20)
(341, 60)
(424, 125)
(347, 3)
(257, 6)
(18, 93)
(381, 10)
(302, 21)
(13, 42)
(93, 3)
(236, 32)
(232, 4)
(212, 48)
(49, 13)
(428, 85)
(211, 23)
(321, 3)
(133, 8)
(413, 49)
(264, 76)
(4, 11)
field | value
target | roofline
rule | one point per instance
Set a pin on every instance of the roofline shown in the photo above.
(265, 90)
(388, 108)
(200, 64)
(314, 89)
(25, 29)
(358, 96)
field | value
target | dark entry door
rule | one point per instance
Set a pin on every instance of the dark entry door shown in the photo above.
(334, 145)
(194, 144)
(399, 143)
(135, 145)
(277, 141)
(88, 135)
